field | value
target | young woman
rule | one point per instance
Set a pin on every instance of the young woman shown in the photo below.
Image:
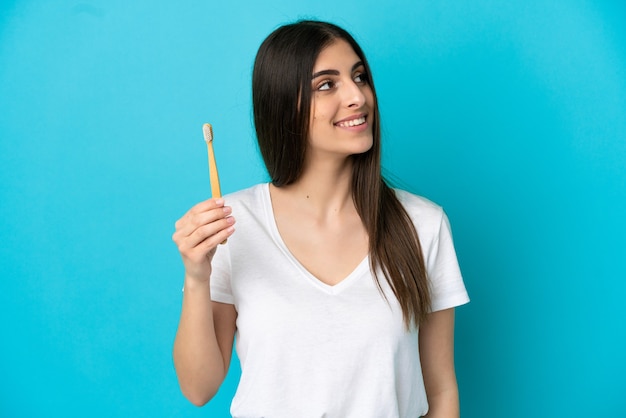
(331, 273)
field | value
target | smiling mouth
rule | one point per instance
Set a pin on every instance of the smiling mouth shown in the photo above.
(352, 122)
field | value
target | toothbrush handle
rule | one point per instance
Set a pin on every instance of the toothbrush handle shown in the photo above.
(213, 176)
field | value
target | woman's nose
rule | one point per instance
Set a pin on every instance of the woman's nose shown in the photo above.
(353, 96)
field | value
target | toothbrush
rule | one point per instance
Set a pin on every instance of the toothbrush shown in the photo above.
(207, 129)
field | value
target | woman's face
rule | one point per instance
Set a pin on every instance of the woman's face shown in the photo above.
(342, 104)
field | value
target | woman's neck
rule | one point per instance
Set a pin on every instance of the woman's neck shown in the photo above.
(323, 190)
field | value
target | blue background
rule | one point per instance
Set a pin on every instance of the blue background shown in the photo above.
(512, 115)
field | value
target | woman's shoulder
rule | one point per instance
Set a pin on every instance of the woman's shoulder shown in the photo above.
(247, 196)
(419, 206)
(427, 216)
(251, 204)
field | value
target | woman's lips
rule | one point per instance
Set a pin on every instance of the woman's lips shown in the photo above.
(352, 121)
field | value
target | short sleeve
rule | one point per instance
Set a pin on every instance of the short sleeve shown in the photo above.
(221, 289)
(445, 279)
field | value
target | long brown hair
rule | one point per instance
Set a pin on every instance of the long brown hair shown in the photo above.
(281, 97)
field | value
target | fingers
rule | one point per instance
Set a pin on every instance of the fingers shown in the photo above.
(205, 225)
(209, 244)
(200, 213)
(192, 222)
(207, 232)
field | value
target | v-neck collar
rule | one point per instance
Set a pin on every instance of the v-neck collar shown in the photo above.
(362, 267)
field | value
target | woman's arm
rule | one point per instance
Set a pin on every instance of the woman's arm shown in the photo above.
(436, 345)
(204, 340)
(203, 345)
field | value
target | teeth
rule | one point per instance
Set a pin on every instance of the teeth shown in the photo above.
(353, 122)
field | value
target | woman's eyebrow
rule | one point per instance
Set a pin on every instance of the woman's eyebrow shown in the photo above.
(335, 72)
(325, 72)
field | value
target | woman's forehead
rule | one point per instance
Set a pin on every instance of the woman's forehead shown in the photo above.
(336, 55)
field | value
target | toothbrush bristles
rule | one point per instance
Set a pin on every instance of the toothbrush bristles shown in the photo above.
(207, 129)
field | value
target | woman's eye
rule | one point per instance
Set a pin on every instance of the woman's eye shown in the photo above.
(360, 78)
(326, 85)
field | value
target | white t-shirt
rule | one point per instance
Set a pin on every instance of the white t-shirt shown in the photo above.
(308, 349)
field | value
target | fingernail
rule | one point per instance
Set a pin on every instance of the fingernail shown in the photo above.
(227, 209)
(219, 201)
